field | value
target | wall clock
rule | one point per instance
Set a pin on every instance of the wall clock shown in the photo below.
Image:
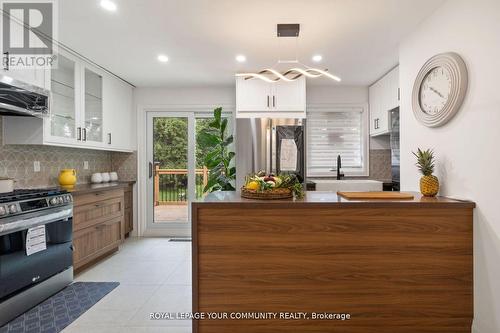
(439, 89)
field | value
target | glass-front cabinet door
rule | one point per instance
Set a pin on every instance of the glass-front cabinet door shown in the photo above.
(64, 86)
(93, 114)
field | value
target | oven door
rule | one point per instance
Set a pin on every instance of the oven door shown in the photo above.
(19, 271)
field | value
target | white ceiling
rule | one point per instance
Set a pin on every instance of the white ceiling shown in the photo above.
(358, 39)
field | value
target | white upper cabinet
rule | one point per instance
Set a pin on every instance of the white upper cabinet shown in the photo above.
(257, 98)
(65, 106)
(290, 96)
(118, 114)
(92, 126)
(39, 77)
(383, 97)
(89, 108)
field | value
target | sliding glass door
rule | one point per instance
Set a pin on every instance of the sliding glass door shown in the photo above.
(177, 173)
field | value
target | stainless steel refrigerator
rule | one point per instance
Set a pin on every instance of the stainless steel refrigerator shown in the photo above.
(270, 144)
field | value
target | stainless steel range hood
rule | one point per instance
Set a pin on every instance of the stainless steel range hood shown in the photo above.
(20, 99)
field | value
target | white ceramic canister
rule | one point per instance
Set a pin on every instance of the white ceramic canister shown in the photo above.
(113, 176)
(105, 177)
(96, 178)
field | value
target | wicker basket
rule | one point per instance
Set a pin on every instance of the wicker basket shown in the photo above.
(274, 194)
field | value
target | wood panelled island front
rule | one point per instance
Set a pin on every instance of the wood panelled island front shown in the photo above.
(392, 266)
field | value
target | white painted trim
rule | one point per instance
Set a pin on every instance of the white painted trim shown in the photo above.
(142, 159)
(341, 107)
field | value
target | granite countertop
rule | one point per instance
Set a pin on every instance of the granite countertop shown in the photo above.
(331, 198)
(89, 188)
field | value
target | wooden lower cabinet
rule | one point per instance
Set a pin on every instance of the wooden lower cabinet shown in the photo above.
(129, 210)
(98, 225)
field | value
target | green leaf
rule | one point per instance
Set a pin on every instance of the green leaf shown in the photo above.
(228, 141)
(232, 172)
(209, 139)
(231, 155)
(218, 114)
(211, 183)
(223, 126)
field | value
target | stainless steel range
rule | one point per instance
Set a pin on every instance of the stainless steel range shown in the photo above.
(36, 253)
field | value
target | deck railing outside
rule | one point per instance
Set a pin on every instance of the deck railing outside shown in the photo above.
(171, 185)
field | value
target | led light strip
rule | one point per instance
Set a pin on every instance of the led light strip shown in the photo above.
(310, 72)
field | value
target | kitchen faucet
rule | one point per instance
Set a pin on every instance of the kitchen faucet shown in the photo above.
(339, 166)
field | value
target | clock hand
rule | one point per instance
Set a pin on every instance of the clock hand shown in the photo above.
(437, 92)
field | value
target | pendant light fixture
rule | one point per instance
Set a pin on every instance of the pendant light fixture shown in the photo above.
(271, 75)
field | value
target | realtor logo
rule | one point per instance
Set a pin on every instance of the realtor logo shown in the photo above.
(28, 30)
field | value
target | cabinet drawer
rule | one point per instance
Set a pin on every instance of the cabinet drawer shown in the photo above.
(92, 242)
(83, 199)
(98, 212)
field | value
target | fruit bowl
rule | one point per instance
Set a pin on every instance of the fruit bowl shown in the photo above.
(275, 194)
(271, 187)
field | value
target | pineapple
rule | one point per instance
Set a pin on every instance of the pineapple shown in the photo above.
(429, 184)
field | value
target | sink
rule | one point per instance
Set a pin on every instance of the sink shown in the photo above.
(333, 185)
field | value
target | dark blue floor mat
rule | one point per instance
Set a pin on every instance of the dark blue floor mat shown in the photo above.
(61, 309)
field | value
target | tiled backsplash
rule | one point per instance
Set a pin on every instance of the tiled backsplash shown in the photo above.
(380, 164)
(16, 161)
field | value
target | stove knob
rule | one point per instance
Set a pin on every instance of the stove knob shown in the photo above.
(12, 209)
(53, 201)
(60, 200)
(3, 211)
(68, 198)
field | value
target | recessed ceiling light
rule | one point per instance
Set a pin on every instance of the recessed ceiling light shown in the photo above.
(317, 58)
(162, 58)
(108, 5)
(241, 58)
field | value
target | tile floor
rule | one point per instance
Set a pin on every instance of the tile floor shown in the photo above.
(154, 275)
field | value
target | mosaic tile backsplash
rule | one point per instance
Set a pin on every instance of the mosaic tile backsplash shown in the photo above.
(16, 161)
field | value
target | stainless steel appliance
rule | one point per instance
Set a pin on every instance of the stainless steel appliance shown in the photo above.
(21, 99)
(395, 156)
(36, 253)
(270, 144)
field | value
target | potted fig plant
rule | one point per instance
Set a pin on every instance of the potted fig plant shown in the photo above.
(221, 173)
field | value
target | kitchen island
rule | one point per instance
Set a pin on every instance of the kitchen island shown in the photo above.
(362, 266)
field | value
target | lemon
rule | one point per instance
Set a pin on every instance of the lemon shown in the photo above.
(253, 186)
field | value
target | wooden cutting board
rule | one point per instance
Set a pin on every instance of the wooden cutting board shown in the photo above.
(376, 195)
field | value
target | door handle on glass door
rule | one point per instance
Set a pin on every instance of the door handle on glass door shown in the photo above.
(150, 170)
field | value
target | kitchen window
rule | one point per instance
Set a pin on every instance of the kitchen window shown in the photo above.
(337, 130)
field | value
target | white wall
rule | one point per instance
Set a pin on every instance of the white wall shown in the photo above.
(468, 148)
(185, 96)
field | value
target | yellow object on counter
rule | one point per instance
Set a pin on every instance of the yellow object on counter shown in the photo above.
(67, 177)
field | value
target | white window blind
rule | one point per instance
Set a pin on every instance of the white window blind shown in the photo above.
(337, 131)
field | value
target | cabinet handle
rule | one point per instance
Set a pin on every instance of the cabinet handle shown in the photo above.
(6, 62)
(274, 101)
(84, 134)
(109, 138)
(267, 100)
(399, 94)
(150, 170)
(79, 134)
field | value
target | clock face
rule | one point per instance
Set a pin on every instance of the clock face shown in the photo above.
(435, 90)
